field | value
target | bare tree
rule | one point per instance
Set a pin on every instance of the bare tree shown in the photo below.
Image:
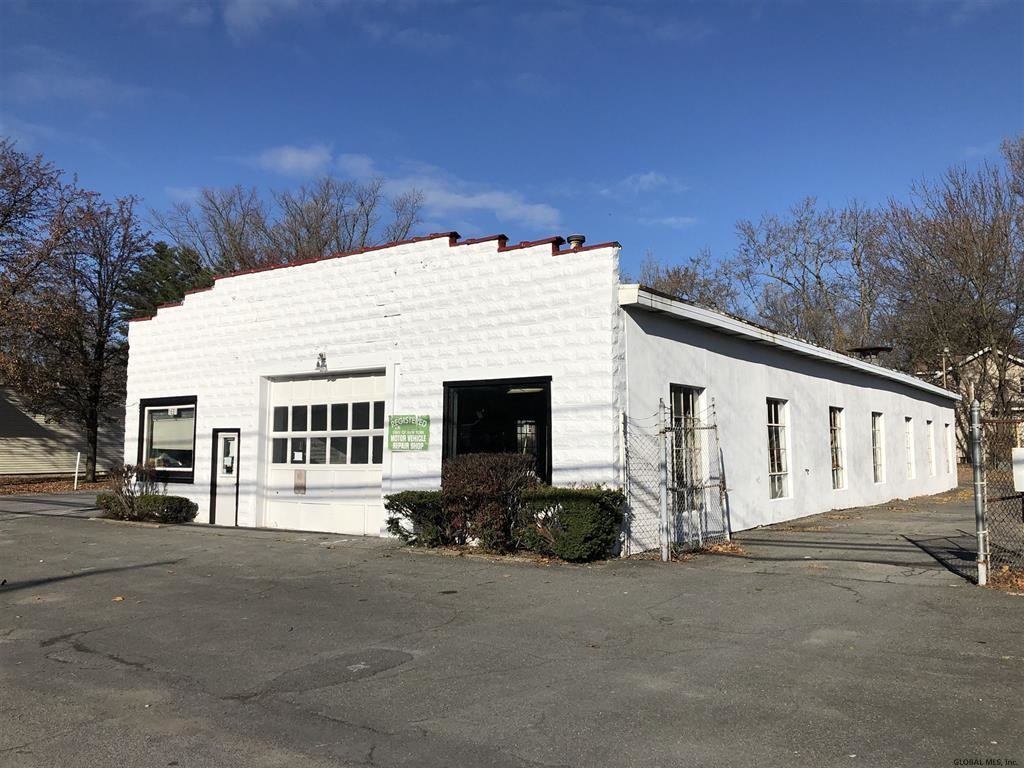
(955, 267)
(34, 200)
(70, 353)
(698, 280)
(237, 228)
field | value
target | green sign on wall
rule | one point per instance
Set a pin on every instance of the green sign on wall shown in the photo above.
(409, 433)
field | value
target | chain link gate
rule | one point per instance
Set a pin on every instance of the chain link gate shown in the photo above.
(1003, 505)
(676, 496)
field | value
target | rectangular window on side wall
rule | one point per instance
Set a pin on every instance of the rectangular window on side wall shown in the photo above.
(947, 436)
(878, 446)
(687, 449)
(837, 448)
(167, 437)
(930, 447)
(908, 447)
(778, 458)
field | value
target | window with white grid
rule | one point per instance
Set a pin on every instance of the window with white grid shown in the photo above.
(835, 437)
(328, 434)
(908, 447)
(778, 460)
(930, 447)
(878, 446)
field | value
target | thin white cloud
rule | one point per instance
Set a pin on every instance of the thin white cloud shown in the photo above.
(981, 150)
(356, 166)
(245, 17)
(291, 160)
(41, 74)
(446, 197)
(645, 182)
(673, 222)
(182, 194)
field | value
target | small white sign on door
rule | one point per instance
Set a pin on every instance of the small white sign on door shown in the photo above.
(1017, 455)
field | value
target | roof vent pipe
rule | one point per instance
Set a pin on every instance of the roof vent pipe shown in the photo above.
(576, 241)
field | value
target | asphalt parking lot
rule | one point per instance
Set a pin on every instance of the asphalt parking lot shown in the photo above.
(838, 639)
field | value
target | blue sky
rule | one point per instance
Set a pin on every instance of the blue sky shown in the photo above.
(655, 124)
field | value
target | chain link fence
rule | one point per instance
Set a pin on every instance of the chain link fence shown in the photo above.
(675, 484)
(1004, 506)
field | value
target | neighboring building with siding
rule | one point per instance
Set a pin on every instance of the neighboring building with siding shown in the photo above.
(31, 444)
(311, 390)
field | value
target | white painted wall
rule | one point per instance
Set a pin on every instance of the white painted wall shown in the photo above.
(740, 374)
(424, 312)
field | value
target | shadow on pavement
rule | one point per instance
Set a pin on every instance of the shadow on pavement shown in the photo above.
(955, 552)
(14, 586)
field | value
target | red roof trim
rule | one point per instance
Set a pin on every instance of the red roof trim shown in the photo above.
(555, 242)
(609, 244)
(473, 241)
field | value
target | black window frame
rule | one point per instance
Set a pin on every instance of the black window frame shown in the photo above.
(449, 425)
(160, 475)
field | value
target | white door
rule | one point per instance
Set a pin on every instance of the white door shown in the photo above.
(326, 454)
(224, 494)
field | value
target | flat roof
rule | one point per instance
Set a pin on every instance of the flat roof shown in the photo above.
(636, 295)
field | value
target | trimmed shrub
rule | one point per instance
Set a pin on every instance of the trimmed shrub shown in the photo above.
(109, 505)
(430, 525)
(485, 490)
(574, 524)
(165, 509)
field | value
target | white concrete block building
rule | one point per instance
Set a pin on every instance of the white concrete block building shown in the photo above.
(297, 396)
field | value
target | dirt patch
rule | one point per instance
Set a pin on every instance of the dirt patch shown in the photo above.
(11, 486)
(475, 553)
(1007, 579)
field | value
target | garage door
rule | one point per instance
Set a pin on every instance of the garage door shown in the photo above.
(326, 454)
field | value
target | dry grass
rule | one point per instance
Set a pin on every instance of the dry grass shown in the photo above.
(726, 548)
(1007, 579)
(10, 486)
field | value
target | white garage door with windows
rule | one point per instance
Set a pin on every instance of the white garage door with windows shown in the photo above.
(326, 454)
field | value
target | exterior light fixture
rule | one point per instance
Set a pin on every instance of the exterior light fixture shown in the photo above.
(321, 363)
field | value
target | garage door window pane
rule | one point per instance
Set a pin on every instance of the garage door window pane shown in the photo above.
(280, 453)
(339, 450)
(318, 418)
(339, 416)
(318, 450)
(281, 418)
(360, 415)
(378, 449)
(298, 418)
(378, 415)
(298, 450)
(361, 448)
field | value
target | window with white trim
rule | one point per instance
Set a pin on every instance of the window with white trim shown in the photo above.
(908, 447)
(947, 434)
(328, 434)
(167, 437)
(930, 447)
(837, 447)
(878, 446)
(778, 460)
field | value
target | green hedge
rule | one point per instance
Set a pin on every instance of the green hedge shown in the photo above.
(430, 527)
(483, 491)
(166, 509)
(153, 507)
(574, 524)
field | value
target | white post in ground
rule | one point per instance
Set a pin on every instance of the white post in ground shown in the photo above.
(78, 459)
(979, 495)
(663, 479)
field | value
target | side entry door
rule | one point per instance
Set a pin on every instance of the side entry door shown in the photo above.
(224, 477)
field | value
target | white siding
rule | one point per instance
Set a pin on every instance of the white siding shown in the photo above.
(739, 374)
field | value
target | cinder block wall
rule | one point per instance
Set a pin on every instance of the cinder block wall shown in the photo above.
(426, 312)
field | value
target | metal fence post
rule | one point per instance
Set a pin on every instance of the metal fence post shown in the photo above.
(663, 479)
(979, 494)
